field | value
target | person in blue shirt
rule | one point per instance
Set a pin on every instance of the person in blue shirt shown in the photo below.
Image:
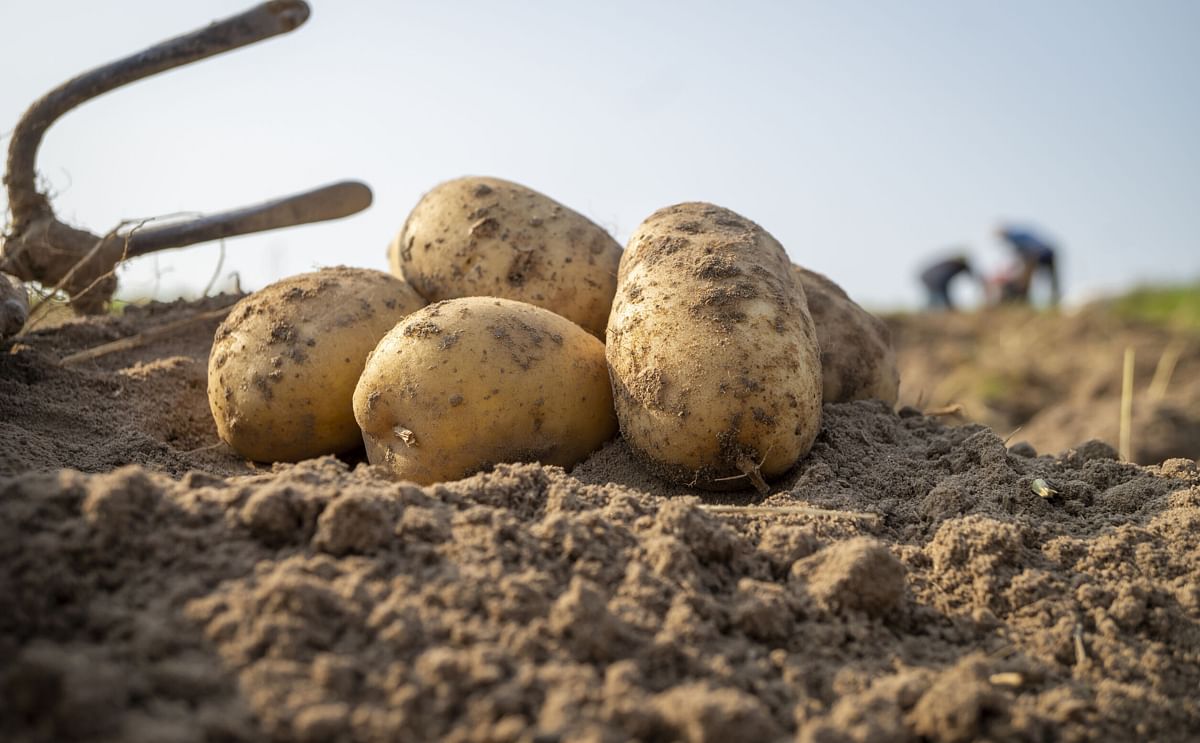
(1037, 256)
(937, 278)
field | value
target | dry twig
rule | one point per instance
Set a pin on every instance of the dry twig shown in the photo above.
(1124, 442)
(946, 410)
(144, 337)
(788, 511)
(1007, 678)
(1165, 368)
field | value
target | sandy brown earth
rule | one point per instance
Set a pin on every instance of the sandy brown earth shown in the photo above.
(904, 583)
(1055, 379)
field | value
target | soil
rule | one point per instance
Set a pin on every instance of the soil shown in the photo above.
(1054, 380)
(903, 583)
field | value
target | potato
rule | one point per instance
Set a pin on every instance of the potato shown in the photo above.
(14, 306)
(476, 237)
(857, 358)
(470, 382)
(714, 361)
(284, 363)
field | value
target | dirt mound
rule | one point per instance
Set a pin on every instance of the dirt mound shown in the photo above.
(146, 405)
(904, 583)
(1056, 377)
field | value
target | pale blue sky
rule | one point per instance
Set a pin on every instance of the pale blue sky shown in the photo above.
(867, 137)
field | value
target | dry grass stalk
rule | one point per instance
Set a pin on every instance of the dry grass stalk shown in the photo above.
(146, 336)
(946, 410)
(1124, 439)
(210, 447)
(788, 511)
(1007, 678)
(1165, 368)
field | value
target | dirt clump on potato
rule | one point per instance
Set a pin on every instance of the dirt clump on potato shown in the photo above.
(285, 361)
(14, 305)
(478, 236)
(472, 382)
(712, 351)
(858, 361)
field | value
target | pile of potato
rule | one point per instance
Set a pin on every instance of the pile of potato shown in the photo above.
(515, 329)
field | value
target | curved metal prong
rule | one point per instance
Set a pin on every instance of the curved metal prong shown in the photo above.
(327, 202)
(260, 22)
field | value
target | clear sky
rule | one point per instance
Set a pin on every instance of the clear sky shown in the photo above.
(867, 137)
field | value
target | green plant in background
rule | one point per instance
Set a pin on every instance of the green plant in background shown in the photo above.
(1176, 307)
(995, 387)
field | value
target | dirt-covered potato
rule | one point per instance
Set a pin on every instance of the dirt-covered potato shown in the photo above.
(714, 361)
(470, 382)
(857, 358)
(14, 306)
(284, 363)
(477, 237)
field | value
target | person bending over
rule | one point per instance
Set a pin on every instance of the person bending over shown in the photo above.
(937, 278)
(1037, 256)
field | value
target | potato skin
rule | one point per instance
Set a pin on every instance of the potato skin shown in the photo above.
(14, 306)
(476, 237)
(712, 353)
(476, 381)
(858, 361)
(284, 363)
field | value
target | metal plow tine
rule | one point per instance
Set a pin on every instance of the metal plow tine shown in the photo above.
(318, 205)
(260, 22)
(40, 247)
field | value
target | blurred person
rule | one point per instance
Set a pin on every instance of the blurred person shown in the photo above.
(1036, 255)
(938, 276)
(1005, 285)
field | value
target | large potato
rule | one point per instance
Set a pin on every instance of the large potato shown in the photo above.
(285, 361)
(857, 358)
(713, 357)
(470, 382)
(476, 237)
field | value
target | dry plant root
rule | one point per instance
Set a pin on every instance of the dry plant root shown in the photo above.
(753, 473)
(38, 247)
